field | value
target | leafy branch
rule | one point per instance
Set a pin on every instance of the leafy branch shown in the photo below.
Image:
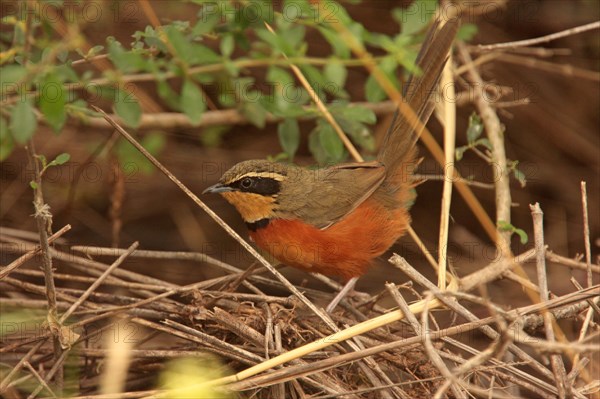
(198, 65)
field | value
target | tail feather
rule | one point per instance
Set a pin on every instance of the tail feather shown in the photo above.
(399, 142)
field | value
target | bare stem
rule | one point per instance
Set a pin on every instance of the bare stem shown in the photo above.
(586, 234)
(493, 129)
(43, 218)
(558, 366)
(542, 39)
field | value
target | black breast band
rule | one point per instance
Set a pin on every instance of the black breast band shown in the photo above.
(259, 224)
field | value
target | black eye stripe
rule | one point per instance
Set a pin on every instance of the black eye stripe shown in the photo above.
(260, 185)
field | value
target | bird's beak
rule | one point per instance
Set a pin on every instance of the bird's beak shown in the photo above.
(217, 188)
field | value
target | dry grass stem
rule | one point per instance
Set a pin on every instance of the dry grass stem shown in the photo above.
(5, 271)
(558, 365)
(586, 234)
(449, 113)
(543, 39)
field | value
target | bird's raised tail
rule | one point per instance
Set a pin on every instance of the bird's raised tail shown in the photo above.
(397, 149)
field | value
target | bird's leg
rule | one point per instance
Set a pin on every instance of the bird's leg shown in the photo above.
(343, 292)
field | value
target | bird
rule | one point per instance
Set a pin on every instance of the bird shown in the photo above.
(336, 220)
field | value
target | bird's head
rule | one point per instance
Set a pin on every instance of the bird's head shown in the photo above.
(253, 188)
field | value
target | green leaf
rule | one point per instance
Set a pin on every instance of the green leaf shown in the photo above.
(168, 94)
(52, 102)
(22, 121)
(415, 17)
(289, 136)
(294, 10)
(231, 68)
(336, 73)
(255, 113)
(283, 86)
(275, 41)
(279, 75)
(206, 20)
(6, 141)
(373, 92)
(333, 12)
(177, 41)
(315, 79)
(293, 37)
(192, 101)
(10, 77)
(79, 109)
(61, 159)
(128, 108)
(33, 184)
(154, 142)
(192, 53)
(352, 120)
(504, 225)
(227, 45)
(459, 152)
(200, 54)
(520, 176)
(314, 145)
(125, 61)
(475, 128)
(337, 43)
(362, 136)
(132, 160)
(522, 235)
(94, 51)
(330, 142)
(43, 159)
(466, 32)
(360, 114)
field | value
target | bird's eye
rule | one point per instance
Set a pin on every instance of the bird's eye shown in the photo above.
(246, 183)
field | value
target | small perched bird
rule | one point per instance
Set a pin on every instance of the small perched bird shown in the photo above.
(336, 220)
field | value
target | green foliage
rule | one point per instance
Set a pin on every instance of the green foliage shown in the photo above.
(221, 46)
(211, 136)
(132, 159)
(415, 17)
(353, 120)
(467, 32)
(255, 113)
(474, 131)
(6, 141)
(289, 136)
(373, 91)
(325, 144)
(518, 174)
(61, 159)
(475, 141)
(336, 73)
(505, 226)
(22, 121)
(52, 101)
(128, 108)
(192, 101)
